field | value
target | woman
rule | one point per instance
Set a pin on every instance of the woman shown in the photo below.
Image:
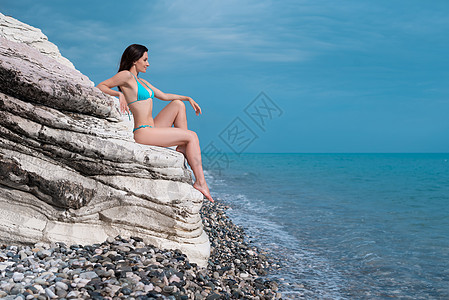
(136, 95)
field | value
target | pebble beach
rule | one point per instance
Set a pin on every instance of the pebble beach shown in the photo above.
(122, 268)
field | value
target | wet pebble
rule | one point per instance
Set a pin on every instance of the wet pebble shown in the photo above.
(50, 293)
(17, 277)
(61, 285)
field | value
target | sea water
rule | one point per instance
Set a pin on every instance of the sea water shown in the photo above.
(345, 226)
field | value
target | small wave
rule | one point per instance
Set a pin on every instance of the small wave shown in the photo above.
(302, 272)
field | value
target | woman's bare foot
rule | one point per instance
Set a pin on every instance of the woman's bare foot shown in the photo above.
(182, 149)
(204, 190)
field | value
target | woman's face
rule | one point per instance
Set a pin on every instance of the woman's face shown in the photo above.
(142, 64)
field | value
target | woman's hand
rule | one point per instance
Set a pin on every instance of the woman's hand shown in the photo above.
(123, 104)
(195, 106)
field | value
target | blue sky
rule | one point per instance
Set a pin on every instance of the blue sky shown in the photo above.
(347, 76)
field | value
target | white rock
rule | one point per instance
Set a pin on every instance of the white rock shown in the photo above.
(114, 288)
(73, 294)
(87, 276)
(7, 286)
(174, 278)
(61, 285)
(39, 287)
(16, 31)
(251, 252)
(148, 288)
(89, 179)
(17, 277)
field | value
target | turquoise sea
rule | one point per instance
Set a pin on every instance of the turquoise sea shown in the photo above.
(345, 226)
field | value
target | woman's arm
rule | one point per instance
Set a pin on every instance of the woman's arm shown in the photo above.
(170, 97)
(120, 79)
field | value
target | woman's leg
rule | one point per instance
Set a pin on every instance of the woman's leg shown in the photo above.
(173, 114)
(167, 137)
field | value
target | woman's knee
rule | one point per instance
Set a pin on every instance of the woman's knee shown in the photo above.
(193, 137)
(180, 104)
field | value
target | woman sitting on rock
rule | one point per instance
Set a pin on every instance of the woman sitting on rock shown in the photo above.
(137, 95)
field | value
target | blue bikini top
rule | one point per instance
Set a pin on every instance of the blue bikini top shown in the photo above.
(142, 92)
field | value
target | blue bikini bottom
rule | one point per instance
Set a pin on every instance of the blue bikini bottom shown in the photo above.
(142, 126)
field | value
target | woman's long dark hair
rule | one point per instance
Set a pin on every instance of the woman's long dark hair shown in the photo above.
(131, 54)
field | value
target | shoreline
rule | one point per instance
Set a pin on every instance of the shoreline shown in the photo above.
(128, 268)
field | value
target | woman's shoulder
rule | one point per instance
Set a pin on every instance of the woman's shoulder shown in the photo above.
(125, 74)
(122, 79)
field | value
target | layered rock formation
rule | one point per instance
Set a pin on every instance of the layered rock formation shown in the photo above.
(69, 168)
(16, 31)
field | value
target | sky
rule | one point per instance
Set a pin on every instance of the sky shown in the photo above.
(275, 76)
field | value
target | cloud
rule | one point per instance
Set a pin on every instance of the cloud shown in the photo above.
(211, 30)
(271, 31)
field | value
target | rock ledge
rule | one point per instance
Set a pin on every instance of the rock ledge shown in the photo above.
(69, 169)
